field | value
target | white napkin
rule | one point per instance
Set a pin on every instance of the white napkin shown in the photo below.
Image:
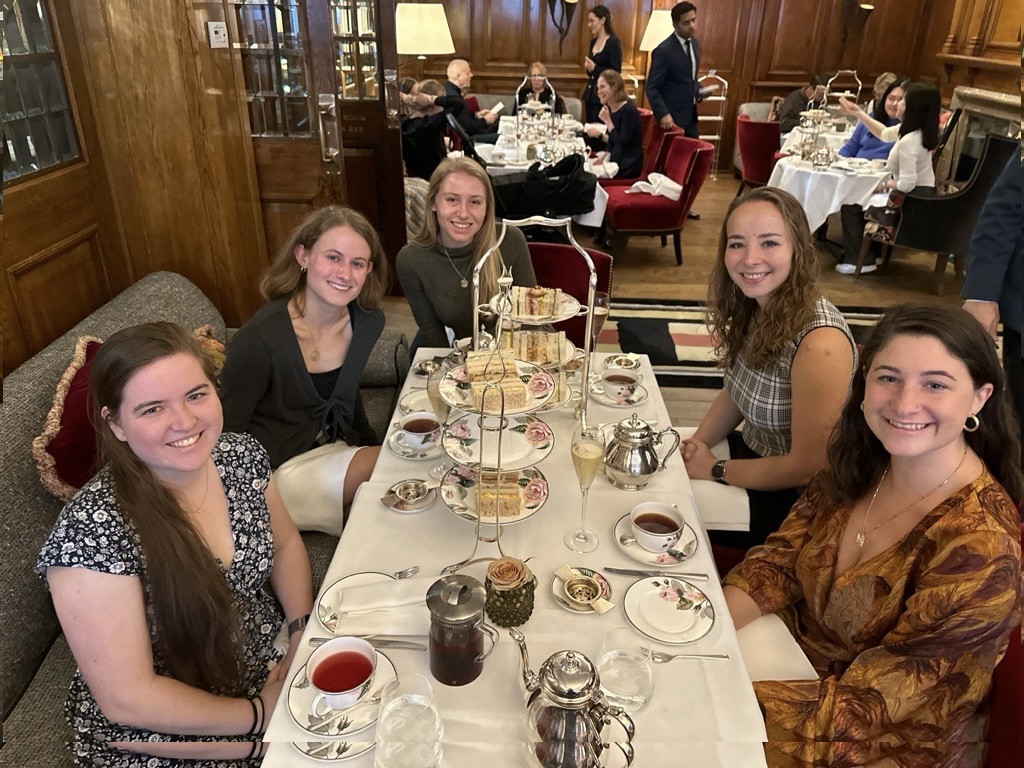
(387, 607)
(605, 170)
(658, 184)
(771, 653)
(721, 507)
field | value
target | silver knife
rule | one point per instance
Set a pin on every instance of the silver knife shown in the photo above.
(663, 574)
(405, 645)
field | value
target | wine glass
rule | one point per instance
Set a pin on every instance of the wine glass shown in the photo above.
(587, 457)
(409, 727)
(441, 410)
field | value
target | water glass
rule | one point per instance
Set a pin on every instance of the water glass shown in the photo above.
(409, 727)
(627, 679)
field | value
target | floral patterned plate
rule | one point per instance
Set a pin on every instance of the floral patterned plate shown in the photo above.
(626, 401)
(326, 604)
(333, 751)
(525, 441)
(669, 610)
(456, 390)
(458, 490)
(415, 400)
(568, 307)
(559, 592)
(678, 554)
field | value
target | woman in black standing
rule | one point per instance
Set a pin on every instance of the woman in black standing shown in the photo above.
(605, 53)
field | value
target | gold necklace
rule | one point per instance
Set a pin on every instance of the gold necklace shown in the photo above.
(206, 489)
(862, 534)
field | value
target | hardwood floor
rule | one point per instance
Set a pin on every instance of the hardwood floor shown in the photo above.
(646, 270)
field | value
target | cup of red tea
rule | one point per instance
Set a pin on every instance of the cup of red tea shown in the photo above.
(656, 526)
(620, 382)
(418, 429)
(341, 670)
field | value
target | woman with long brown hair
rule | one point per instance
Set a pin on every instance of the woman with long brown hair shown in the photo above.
(436, 267)
(291, 377)
(898, 572)
(788, 357)
(158, 568)
(605, 52)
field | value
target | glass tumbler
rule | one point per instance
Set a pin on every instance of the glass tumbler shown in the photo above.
(627, 679)
(409, 727)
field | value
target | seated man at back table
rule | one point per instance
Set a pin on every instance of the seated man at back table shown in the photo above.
(810, 96)
(479, 126)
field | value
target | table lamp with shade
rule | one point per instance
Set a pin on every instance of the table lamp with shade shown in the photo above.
(659, 26)
(421, 30)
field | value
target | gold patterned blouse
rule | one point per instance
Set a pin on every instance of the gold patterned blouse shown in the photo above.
(904, 643)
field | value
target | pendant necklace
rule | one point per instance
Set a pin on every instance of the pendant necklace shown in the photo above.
(206, 489)
(463, 280)
(862, 534)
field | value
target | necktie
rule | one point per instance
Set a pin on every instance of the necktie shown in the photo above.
(689, 55)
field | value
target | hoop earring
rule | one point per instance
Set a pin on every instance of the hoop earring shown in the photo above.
(971, 423)
(862, 406)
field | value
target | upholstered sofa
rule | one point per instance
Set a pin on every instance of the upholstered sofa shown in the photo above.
(487, 100)
(35, 662)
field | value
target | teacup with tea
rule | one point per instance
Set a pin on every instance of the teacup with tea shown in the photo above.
(418, 429)
(620, 382)
(341, 670)
(656, 526)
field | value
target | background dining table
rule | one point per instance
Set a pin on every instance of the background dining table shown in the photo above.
(703, 713)
(823, 191)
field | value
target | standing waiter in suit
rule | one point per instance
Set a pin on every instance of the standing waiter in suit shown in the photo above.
(994, 286)
(672, 87)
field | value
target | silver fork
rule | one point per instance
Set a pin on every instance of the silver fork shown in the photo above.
(660, 657)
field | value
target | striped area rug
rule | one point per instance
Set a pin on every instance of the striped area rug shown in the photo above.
(673, 335)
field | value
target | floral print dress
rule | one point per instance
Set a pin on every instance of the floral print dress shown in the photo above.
(904, 643)
(91, 533)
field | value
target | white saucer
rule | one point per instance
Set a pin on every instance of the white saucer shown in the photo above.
(680, 553)
(393, 498)
(333, 751)
(302, 695)
(563, 601)
(416, 400)
(669, 610)
(628, 361)
(329, 596)
(638, 397)
(403, 451)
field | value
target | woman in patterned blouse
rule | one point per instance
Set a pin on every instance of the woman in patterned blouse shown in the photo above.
(899, 571)
(158, 568)
(788, 357)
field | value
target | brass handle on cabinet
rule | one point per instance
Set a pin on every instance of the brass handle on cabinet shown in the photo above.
(330, 132)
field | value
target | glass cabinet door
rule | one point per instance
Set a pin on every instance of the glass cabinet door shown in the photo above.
(272, 47)
(38, 129)
(354, 27)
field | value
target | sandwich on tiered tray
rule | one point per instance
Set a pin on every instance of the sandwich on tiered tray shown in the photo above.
(498, 493)
(538, 347)
(535, 301)
(486, 367)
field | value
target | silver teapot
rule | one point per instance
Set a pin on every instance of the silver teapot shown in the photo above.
(566, 713)
(632, 457)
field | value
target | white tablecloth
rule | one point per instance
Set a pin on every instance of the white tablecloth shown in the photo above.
(830, 139)
(822, 191)
(705, 711)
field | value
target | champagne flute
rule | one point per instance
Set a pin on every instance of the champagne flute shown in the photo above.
(441, 410)
(602, 304)
(587, 457)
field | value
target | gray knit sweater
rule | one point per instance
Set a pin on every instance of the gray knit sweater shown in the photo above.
(431, 285)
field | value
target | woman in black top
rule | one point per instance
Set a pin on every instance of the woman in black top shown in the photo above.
(538, 90)
(605, 53)
(622, 132)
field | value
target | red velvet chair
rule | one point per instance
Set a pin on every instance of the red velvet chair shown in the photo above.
(646, 120)
(758, 141)
(655, 151)
(687, 163)
(561, 266)
(1006, 715)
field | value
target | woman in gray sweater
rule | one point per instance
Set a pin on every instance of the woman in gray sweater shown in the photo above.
(436, 267)
(291, 377)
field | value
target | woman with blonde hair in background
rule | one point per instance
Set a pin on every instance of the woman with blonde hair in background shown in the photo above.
(538, 91)
(291, 377)
(436, 268)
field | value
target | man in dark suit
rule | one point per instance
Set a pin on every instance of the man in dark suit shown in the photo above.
(994, 285)
(672, 87)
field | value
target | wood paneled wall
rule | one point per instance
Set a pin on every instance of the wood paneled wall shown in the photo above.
(177, 143)
(763, 48)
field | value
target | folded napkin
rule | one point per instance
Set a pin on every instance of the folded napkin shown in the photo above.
(721, 507)
(770, 652)
(605, 170)
(658, 184)
(387, 607)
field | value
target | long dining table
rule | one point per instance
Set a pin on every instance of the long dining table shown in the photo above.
(702, 713)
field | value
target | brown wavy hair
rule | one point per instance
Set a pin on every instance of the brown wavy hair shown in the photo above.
(284, 277)
(483, 239)
(857, 458)
(197, 626)
(731, 315)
